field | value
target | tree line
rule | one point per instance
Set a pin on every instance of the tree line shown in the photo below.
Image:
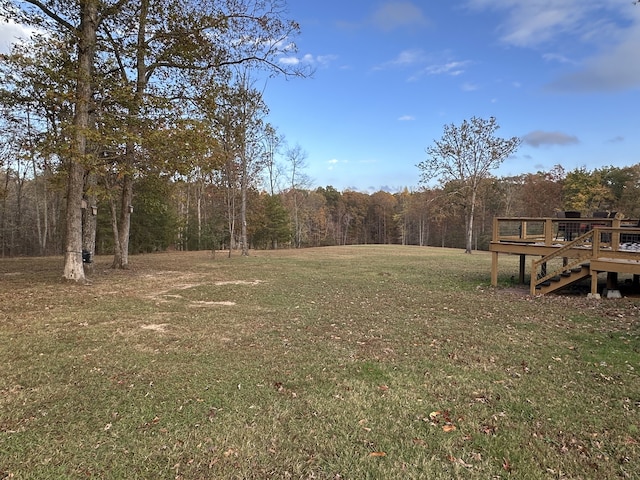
(140, 126)
(196, 211)
(106, 93)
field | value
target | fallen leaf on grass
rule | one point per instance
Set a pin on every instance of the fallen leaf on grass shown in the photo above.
(488, 429)
(459, 461)
(377, 454)
(448, 428)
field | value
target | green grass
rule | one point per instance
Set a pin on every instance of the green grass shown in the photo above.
(334, 363)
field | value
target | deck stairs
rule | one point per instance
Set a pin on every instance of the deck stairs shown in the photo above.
(573, 269)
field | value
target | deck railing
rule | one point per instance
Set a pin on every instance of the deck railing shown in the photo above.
(614, 244)
(551, 230)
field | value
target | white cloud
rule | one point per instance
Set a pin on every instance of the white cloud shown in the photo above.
(608, 30)
(335, 162)
(308, 59)
(617, 68)
(536, 22)
(417, 57)
(409, 57)
(398, 14)
(325, 60)
(452, 68)
(289, 60)
(406, 58)
(558, 58)
(539, 138)
(469, 87)
(406, 118)
(10, 33)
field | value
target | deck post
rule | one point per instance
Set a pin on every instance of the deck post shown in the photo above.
(494, 269)
(615, 236)
(523, 259)
(548, 231)
(594, 282)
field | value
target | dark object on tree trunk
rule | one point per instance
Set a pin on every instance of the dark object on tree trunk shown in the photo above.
(86, 256)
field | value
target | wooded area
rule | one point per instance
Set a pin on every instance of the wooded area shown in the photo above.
(138, 127)
(198, 211)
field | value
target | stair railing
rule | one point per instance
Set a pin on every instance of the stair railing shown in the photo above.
(584, 240)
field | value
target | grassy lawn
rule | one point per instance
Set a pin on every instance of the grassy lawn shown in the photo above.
(367, 362)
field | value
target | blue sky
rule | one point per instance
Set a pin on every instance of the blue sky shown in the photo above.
(564, 75)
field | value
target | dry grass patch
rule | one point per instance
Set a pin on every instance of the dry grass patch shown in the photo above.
(353, 362)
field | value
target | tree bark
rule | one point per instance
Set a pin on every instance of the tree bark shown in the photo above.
(244, 182)
(117, 255)
(121, 233)
(73, 268)
(469, 243)
(90, 220)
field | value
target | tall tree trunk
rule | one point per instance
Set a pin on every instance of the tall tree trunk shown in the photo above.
(121, 232)
(124, 219)
(3, 224)
(231, 207)
(199, 196)
(243, 206)
(73, 268)
(90, 221)
(469, 243)
(36, 198)
(113, 208)
(45, 212)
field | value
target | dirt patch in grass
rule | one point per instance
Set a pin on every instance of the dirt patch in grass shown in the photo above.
(209, 304)
(156, 327)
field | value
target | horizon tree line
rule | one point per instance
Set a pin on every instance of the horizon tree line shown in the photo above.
(191, 212)
(138, 126)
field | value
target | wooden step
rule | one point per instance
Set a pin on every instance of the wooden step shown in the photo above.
(563, 279)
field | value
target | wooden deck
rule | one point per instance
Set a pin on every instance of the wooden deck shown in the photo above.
(567, 250)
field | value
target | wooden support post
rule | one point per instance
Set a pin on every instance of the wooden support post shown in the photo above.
(494, 269)
(521, 275)
(612, 280)
(548, 231)
(615, 236)
(594, 282)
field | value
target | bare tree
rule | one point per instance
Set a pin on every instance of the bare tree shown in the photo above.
(297, 159)
(273, 142)
(466, 154)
